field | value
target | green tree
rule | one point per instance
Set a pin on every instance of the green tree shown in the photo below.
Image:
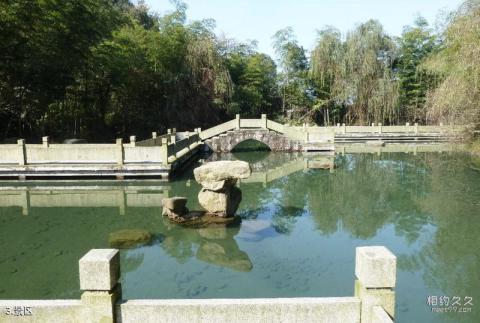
(457, 65)
(293, 79)
(326, 63)
(254, 77)
(415, 44)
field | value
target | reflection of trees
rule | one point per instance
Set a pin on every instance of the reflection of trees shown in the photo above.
(451, 261)
(367, 192)
(131, 260)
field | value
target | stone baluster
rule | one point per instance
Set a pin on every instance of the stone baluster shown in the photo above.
(264, 121)
(22, 152)
(164, 151)
(133, 140)
(45, 142)
(237, 121)
(99, 274)
(120, 151)
(375, 269)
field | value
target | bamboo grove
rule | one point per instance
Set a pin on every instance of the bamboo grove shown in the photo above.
(100, 69)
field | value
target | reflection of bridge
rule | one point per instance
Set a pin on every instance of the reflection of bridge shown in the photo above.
(61, 196)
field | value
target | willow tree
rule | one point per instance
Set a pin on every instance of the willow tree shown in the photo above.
(325, 69)
(355, 78)
(366, 82)
(458, 66)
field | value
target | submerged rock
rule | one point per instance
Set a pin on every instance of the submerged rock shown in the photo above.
(125, 239)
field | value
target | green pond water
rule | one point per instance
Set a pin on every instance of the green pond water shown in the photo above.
(297, 238)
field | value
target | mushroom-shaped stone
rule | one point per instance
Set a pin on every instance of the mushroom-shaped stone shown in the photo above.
(217, 175)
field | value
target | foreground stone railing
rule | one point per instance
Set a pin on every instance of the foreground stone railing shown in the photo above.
(374, 299)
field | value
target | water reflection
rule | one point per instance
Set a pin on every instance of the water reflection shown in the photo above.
(214, 244)
(300, 225)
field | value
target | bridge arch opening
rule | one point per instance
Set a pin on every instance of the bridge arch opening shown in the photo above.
(250, 145)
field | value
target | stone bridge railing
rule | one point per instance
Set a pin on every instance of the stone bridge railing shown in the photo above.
(293, 133)
(99, 272)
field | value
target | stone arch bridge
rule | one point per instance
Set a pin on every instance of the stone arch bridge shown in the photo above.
(278, 137)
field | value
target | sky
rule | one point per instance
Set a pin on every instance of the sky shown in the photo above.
(260, 19)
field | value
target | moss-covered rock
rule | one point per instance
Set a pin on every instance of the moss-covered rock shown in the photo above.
(126, 239)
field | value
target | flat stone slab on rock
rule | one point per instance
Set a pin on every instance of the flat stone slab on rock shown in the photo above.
(217, 175)
(175, 203)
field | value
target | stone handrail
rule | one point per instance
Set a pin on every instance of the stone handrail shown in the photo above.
(217, 130)
(407, 128)
(118, 153)
(99, 272)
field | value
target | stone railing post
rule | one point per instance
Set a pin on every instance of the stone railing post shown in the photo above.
(120, 152)
(375, 268)
(154, 135)
(45, 142)
(22, 152)
(169, 131)
(380, 128)
(99, 274)
(264, 121)
(373, 127)
(416, 127)
(237, 121)
(187, 137)
(344, 126)
(133, 140)
(164, 151)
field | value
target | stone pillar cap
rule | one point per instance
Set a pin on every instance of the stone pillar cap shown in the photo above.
(375, 267)
(99, 269)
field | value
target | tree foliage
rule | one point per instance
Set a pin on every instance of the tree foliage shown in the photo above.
(101, 69)
(457, 64)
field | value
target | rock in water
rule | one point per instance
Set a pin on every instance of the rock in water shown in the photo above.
(176, 203)
(223, 203)
(219, 195)
(174, 207)
(218, 175)
(124, 239)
